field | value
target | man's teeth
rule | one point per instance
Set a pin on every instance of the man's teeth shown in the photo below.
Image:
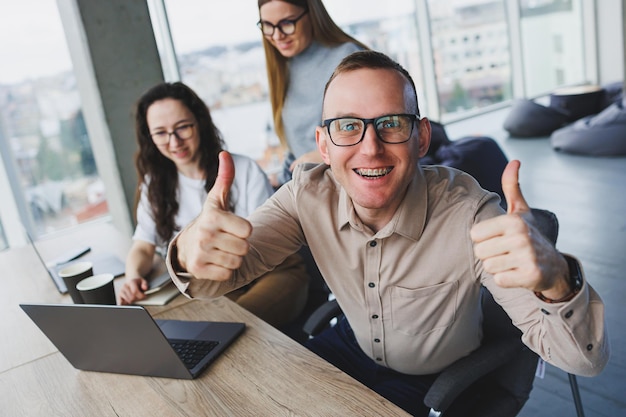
(376, 172)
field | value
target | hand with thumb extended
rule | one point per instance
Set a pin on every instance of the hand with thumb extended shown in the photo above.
(213, 245)
(218, 196)
(515, 201)
(511, 248)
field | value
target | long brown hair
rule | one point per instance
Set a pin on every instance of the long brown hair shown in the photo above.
(325, 31)
(160, 171)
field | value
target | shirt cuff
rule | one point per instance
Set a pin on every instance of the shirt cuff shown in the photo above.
(180, 277)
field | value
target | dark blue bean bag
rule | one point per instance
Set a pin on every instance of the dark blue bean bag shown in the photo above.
(479, 156)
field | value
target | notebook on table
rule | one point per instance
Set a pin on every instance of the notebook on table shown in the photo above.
(127, 340)
(103, 263)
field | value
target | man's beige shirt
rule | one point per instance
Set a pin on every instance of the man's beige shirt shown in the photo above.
(411, 291)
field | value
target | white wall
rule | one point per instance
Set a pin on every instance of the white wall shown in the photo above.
(610, 24)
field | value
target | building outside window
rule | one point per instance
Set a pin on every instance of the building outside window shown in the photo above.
(45, 144)
(459, 53)
(471, 52)
(220, 55)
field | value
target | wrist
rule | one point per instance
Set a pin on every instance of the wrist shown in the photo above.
(545, 299)
(175, 261)
(573, 284)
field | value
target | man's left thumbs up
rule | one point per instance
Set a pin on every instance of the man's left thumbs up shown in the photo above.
(515, 201)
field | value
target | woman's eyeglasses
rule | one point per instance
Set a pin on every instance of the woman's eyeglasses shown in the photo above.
(286, 26)
(163, 137)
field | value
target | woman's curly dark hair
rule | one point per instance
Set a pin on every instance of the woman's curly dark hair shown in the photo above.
(159, 171)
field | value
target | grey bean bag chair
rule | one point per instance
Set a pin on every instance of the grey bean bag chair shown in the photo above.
(530, 119)
(601, 135)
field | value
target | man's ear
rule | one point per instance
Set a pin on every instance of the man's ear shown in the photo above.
(424, 136)
(322, 145)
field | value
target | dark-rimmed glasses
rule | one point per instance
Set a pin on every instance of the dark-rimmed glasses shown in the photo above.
(391, 128)
(182, 132)
(286, 26)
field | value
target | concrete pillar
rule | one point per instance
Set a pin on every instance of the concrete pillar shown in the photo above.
(115, 59)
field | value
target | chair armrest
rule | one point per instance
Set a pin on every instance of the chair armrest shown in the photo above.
(461, 374)
(321, 317)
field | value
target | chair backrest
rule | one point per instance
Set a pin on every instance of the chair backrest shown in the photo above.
(547, 223)
(515, 378)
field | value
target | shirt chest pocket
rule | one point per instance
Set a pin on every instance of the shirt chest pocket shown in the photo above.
(422, 310)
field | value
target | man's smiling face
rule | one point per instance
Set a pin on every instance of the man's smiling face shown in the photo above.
(374, 174)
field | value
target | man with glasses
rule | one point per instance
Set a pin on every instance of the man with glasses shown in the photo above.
(404, 248)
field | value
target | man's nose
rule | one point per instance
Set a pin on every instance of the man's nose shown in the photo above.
(371, 143)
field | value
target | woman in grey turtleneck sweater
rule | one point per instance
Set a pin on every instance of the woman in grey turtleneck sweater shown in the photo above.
(302, 48)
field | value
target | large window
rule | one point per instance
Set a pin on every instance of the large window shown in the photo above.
(220, 55)
(459, 52)
(471, 53)
(45, 145)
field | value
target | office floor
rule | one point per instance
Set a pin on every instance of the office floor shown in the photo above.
(588, 195)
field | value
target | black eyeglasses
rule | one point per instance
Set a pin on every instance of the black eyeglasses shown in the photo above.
(183, 132)
(286, 26)
(392, 128)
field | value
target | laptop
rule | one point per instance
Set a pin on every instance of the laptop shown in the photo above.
(102, 263)
(127, 340)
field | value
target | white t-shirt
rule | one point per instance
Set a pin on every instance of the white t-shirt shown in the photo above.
(250, 189)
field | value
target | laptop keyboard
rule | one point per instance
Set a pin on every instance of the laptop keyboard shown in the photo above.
(192, 351)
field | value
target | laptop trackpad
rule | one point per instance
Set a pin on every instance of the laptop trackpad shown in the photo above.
(176, 329)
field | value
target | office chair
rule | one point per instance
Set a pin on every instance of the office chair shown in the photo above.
(496, 379)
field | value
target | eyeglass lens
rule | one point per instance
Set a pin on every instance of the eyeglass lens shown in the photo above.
(181, 132)
(287, 27)
(348, 131)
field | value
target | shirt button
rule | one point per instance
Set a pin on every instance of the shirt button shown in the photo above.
(569, 314)
(544, 311)
(589, 346)
(377, 340)
(373, 243)
(375, 316)
(371, 285)
(379, 359)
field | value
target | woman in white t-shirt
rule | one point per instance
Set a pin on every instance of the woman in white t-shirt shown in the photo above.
(177, 165)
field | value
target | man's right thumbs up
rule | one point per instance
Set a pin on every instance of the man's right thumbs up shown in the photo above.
(212, 246)
(218, 196)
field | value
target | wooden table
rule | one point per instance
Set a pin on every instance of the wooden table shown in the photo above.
(264, 373)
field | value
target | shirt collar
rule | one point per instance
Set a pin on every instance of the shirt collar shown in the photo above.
(408, 221)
